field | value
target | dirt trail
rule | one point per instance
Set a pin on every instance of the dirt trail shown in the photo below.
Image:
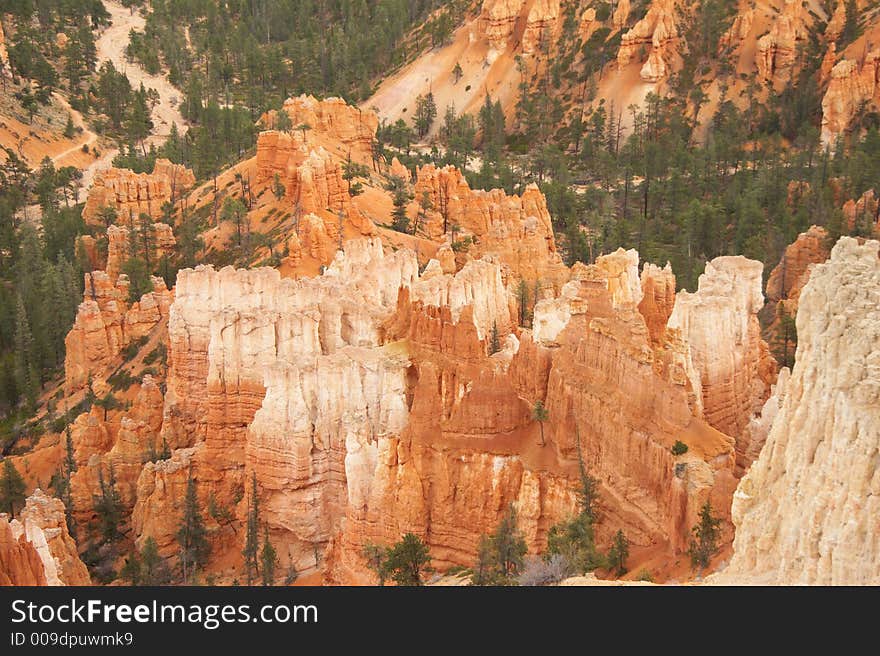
(111, 46)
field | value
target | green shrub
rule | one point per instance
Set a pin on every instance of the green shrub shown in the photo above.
(679, 448)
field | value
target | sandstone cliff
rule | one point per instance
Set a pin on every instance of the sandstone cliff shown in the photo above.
(105, 324)
(730, 363)
(131, 194)
(853, 83)
(36, 549)
(657, 36)
(516, 229)
(806, 512)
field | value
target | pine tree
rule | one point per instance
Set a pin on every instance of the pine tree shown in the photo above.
(154, 571)
(26, 376)
(457, 73)
(540, 414)
(485, 569)
(268, 559)
(251, 536)
(108, 506)
(522, 298)
(408, 560)
(426, 112)
(68, 469)
(588, 494)
(509, 544)
(399, 218)
(191, 535)
(494, 339)
(704, 543)
(618, 553)
(12, 488)
(377, 561)
(131, 570)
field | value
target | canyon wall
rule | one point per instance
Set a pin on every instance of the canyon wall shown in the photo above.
(730, 363)
(806, 512)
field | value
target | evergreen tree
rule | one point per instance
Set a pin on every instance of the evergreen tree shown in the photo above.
(494, 339)
(154, 570)
(131, 569)
(509, 544)
(12, 488)
(108, 507)
(704, 543)
(377, 561)
(268, 559)
(252, 534)
(618, 553)
(408, 560)
(283, 122)
(27, 380)
(588, 494)
(191, 534)
(426, 112)
(540, 414)
(68, 469)
(399, 218)
(485, 571)
(522, 298)
(457, 73)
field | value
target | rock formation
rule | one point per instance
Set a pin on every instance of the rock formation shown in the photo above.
(791, 274)
(36, 549)
(516, 229)
(863, 215)
(20, 564)
(132, 194)
(337, 120)
(806, 512)
(541, 22)
(657, 36)
(105, 324)
(658, 299)
(731, 364)
(498, 20)
(776, 50)
(852, 84)
(161, 242)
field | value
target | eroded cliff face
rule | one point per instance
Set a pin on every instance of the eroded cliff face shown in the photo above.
(36, 549)
(367, 404)
(516, 229)
(776, 50)
(806, 513)
(131, 194)
(105, 323)
(656, 35)
(730, 363)
(853, 83)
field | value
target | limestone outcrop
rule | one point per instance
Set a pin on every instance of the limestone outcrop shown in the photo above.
(162, 244)
(806, 512)
(131, 194)
(776, 50)
(105, 324)
(541, 21)
(853, 83)
(36, 549)
(656, 35)
(515, 229)
(337, 120)
(730, 363)
(20, 564)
